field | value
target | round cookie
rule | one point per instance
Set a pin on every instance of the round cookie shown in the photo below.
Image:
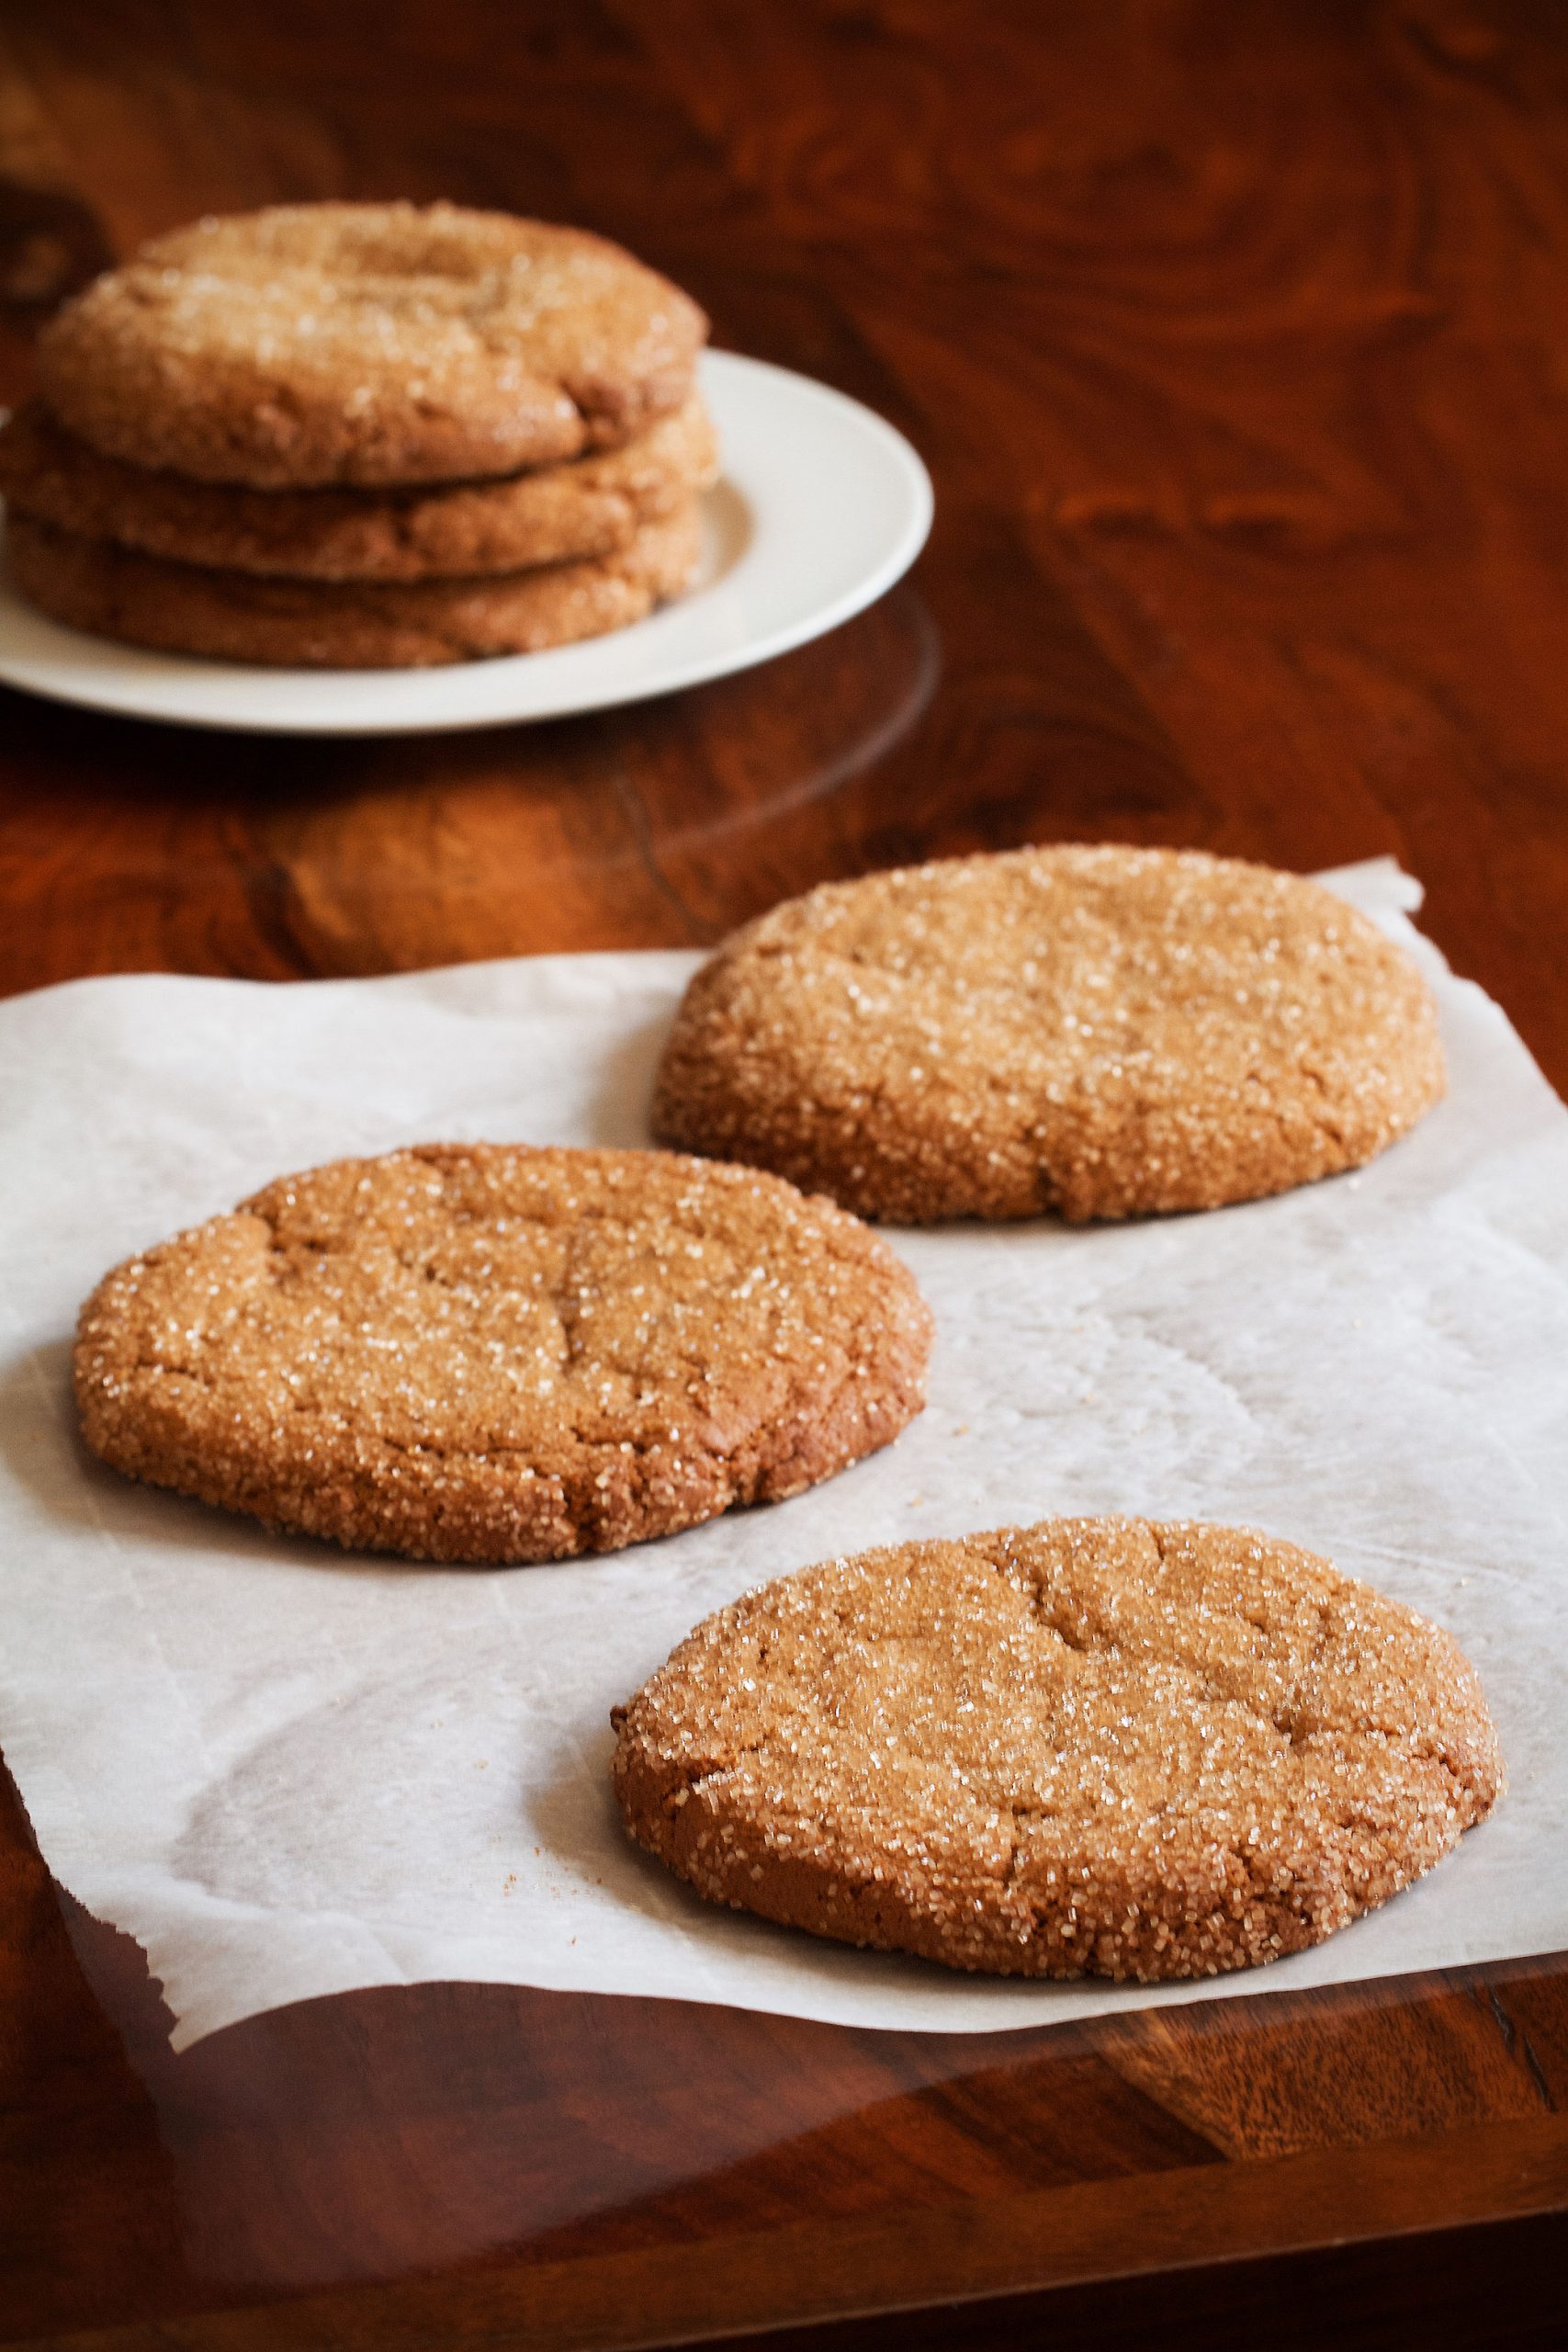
(346, 625)
(586, 506)
(1087, 1747)
(489, 1353)
(368, 343)
(1095, 1031)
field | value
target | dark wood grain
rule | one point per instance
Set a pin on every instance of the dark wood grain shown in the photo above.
(1236, 338)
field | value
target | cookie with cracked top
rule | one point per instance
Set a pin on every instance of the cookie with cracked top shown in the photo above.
(348, 623)
(311, 343)
(490, 1352)
(586, 506)
(1092, 1747)
(1100, 1032)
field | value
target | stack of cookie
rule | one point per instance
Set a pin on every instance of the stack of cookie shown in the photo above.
(361, 435)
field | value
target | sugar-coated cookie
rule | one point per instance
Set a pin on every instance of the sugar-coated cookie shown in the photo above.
(368, 343)
(348, 623)
(1087, 1747)
(490, 1352)
(1094, 1031)
(585, 506)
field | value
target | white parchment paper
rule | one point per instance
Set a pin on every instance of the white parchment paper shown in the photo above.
(289, 1772)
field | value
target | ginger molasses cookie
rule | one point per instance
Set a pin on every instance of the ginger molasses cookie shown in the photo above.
(368, 343)
(1093, 1747)
(1095, 1031)
(347, 625)
(488, 1352)
(585, 506)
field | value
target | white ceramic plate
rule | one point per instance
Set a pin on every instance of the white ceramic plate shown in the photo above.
(821, 507)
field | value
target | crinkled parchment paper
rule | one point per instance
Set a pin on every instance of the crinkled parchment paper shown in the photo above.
(288, 1772)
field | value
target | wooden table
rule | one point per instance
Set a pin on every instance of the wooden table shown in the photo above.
(1236, 339)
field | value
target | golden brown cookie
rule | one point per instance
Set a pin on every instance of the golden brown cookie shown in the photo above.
(587, 506)
(1094, 1747)
(368, 343)
(486, 1353)
(1097, 1031)
(346, 625)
